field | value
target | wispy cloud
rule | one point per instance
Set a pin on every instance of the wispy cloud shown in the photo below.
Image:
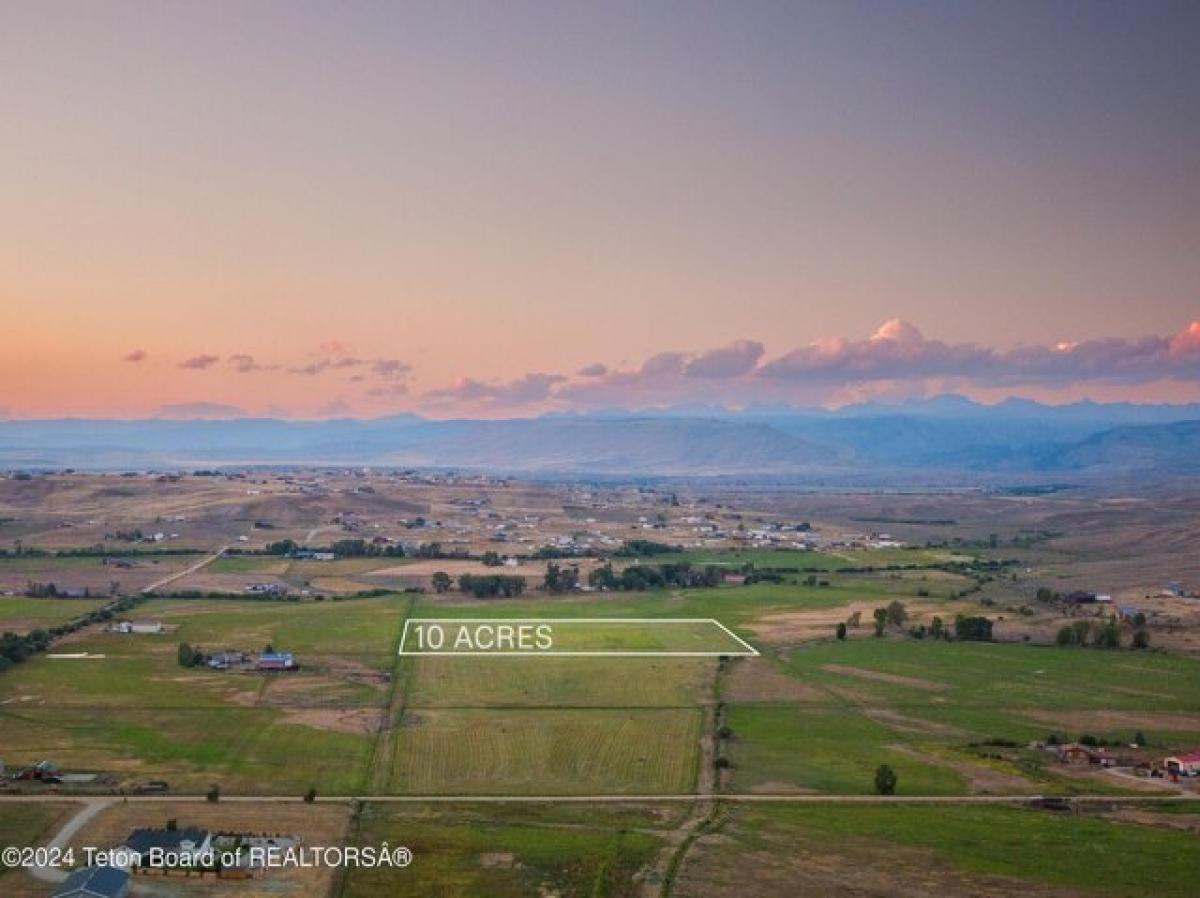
(897, 359)
(137, 355)
(530, 388)
(391, 369)
(311, 369)
(246, 364)
(200, 362)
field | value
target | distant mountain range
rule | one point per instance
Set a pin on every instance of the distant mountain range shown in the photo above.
(946, 438)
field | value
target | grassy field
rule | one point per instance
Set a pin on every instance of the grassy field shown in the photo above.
(547, 751)
(367, 629)
(731, 605)
(551, 725)
(818, 716)
(89, 572)
(509, 852)
(788, 748)
(248, 750)
(559, 681)
(669, 635)
(804, 561)
(918, 704)
(27, 824)
(938, 678)
(137, 713)
(248, 564)
(949, 851)
(22, 615)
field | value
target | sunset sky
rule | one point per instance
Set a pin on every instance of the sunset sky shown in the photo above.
(501, 208)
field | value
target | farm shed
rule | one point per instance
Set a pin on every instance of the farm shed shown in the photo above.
(139, 626)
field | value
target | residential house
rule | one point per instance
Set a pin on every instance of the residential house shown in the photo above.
(225, 660)
(190, 842)
(276, 661)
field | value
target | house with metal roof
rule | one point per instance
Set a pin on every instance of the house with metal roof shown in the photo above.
(189, 842)
(276, 661)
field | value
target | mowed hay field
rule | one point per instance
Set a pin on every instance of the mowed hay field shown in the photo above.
(547, 751)
(551, 725)
(954, 852)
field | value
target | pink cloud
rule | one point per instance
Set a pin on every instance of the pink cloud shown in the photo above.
(138, 355)
(243, 363)
(390, 368)
(200, 362)
(1187, 342)
(733, 360)
(525, 390)
(896, 359)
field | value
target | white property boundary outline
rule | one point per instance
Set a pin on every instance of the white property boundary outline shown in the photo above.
(749, 652)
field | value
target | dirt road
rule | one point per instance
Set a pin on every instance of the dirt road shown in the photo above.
(179, 575)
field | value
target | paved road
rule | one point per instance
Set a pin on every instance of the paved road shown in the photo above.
(807, 798)
(179, 575)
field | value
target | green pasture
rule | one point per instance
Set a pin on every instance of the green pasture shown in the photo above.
(803, 561)
(497, 851)
(364, 628)
(547, 751)
(23, 615)
(247, 750)
(482, 682)
(917, 704)
(1090, 855)
(781, 748)
(629, 635)
(26, 824)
